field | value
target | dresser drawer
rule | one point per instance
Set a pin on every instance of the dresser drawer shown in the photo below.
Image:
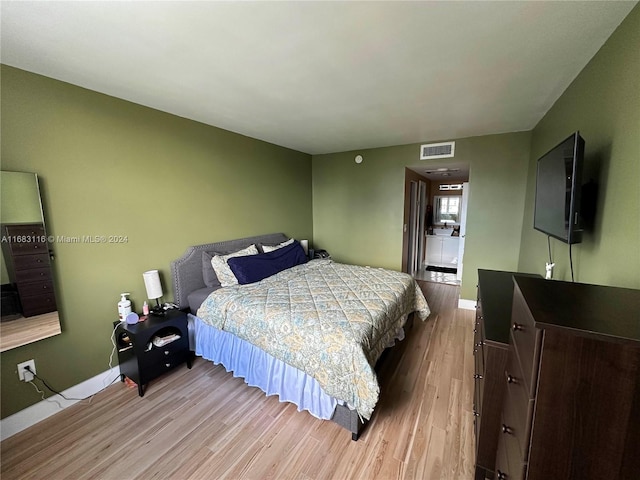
(503, 472)
(510, 450)
(28, 262)
(515, 420)
(39, 304)
(26, 239)
(526, 339)
(28, 248)
(33, 275)
(478, 351)
(35, 288)
(507, 468)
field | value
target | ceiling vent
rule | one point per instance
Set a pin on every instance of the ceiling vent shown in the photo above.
(437, 150)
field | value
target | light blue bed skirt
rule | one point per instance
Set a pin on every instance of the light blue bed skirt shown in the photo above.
(259, 369)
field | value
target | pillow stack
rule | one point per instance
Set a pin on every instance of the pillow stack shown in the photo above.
(251, 264)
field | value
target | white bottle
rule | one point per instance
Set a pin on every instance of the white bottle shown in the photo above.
(124, 307)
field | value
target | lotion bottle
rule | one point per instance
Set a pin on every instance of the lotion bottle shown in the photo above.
(124, 307)
(145, 308)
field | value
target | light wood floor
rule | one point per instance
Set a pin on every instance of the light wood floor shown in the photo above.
(203, 423)
(16, 333)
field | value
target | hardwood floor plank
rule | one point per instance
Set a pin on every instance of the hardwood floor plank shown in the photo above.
(203, 423)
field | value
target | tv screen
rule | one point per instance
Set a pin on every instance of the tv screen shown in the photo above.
(558, 185)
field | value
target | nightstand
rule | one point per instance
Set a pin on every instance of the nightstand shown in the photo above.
(141, 359)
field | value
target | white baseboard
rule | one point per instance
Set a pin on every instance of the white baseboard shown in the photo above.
(35, 413)
(466, 304)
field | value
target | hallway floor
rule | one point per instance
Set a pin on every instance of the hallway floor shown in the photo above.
(437, 277)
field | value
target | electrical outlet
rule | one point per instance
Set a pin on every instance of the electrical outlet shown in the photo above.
(24, 374)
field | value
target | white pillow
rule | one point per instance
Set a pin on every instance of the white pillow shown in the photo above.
(222, 269)
(270, 248)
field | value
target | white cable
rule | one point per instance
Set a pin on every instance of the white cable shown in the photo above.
(113, 350)
(45, 398)
(90, 397)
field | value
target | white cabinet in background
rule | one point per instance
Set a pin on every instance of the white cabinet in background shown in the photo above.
(442, 251)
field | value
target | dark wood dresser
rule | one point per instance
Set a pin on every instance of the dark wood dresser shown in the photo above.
(490, 349)
(26, 252)
(572, 406)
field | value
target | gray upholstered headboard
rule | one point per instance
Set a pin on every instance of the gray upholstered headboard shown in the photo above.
(186, 271)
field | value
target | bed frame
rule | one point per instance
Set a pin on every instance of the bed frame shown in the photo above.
(186, 273)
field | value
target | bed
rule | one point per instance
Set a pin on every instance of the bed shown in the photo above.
(309, 331)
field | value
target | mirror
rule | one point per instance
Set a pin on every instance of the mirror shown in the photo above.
(29, 309)
(447, 209)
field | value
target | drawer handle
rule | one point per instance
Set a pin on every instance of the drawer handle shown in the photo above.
(478, 376)
(475, 350)
(166, 352)
(502, 475)
(475, 330)
(506, 429)
(476, 414)
(479, 344)
(511, 379)
(517, 326)
(167, 365)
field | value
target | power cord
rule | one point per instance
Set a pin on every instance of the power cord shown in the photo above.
(113, 351)
(52, 400)
(53, 390)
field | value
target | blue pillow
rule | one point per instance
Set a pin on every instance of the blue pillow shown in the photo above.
(254, 268)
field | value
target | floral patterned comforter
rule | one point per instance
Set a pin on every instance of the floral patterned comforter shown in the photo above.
(330, 320)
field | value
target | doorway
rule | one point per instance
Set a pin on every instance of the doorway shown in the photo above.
(436, 199)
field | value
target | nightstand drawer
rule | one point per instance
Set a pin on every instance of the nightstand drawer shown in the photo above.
(151, 370)
(163, 354)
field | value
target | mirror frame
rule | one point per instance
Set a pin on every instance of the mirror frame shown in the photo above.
(25, 330)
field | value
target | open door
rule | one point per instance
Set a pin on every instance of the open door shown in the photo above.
(417, 211)
(463, 227)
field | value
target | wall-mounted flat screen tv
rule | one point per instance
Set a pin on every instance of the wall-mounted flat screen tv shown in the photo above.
(558, 186)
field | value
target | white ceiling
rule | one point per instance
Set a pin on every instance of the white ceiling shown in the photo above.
(320, 77)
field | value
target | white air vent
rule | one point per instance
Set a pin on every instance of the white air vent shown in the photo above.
(437, 150)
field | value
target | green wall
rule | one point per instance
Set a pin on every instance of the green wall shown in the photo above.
(110, 167)
(358, 209)
(603, 102)
(19, 203)
(19, 198)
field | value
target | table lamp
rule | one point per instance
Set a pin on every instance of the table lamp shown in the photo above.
(154, 289)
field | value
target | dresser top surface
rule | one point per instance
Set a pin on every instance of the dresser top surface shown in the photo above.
(496, 292)
(587, 309)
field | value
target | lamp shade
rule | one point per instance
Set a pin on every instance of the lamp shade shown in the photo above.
(305, 246)
(152, 284)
